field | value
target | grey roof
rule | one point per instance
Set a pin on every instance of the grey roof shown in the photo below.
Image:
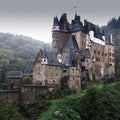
(90, 26)
(27, 71)
(71, 49)
(72, 44)
(55, 21)
(52, 59)
(71, 58)
(87, 54)
(38, 55)
(14, 74)
(76, 24)
(64, 25)
(44, 53)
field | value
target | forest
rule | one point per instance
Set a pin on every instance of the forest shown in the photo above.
(17, 50)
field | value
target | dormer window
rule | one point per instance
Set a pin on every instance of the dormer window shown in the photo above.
(44, 61)
(59, 57)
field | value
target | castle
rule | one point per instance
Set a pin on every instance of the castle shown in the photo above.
(78, 50)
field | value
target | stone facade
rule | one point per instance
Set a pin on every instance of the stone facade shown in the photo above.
(76, 48)
(30, 92)
(10, 95)
(46, 74)
(60, 39)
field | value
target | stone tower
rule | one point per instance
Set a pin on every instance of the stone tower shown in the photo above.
(60, 33)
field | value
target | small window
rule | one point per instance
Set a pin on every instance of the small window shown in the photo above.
(94, 51)
(98, 52)
(64, 71)
(102, 53)
(73, 78)
(109, 53)
(53, 81)
(113, 54)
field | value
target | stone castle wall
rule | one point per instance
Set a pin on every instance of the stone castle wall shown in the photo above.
(10, 95)
(74, 82)
(81, 40)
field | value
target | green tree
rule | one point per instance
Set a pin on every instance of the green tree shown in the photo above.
(9, 111)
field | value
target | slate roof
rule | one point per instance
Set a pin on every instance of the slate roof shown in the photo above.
(70, 58)
(90, 26)
(55, 21)
(63, 23)
(52, 58)
(71, 49)
(14, 74)
(72, 44)
(76, 24)
(44, 53)
(27, 71)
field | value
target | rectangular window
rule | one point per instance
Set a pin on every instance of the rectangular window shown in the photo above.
(113, 54)
(109, 53)
(110, 60)
(98, 59)
(64, 71)
(98, 52)
(94, 51)
(102, 53)
(105, 54)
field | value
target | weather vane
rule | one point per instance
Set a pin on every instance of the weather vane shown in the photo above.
(75, 8)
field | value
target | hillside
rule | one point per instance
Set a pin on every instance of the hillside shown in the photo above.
(96, 102)
(16, 51)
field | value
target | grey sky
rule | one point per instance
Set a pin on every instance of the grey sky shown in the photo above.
(34, 17)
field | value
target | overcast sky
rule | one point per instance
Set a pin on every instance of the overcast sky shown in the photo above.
(34, 18)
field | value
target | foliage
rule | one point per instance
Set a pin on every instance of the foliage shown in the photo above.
(32, 110)
(27, 80)
(65, 114)
(108, 78)
(3, 86)
(114, 23)
(99, 101)
(63, 90)
(9, 111)
(16, 51)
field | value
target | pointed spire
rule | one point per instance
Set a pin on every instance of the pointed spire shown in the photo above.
(55, 21)
(44, 53)
(75, 8)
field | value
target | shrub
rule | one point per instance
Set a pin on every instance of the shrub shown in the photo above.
(9, 111)
(65, 114)
(27, 80)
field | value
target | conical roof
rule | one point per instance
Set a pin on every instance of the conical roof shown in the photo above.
(72, 44)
